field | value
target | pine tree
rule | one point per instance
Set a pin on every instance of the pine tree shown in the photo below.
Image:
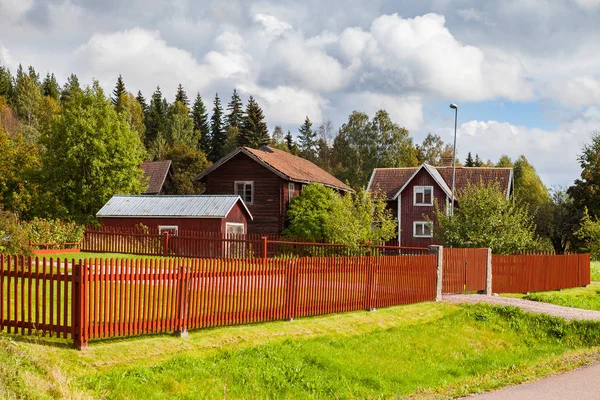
(27, 96)
(70, 89)
(254, 131)
(235, 118)
(218, 134)
(117, 92)
(182, 96)
(291, 144)
(34, 76)
(50, 87)
(307, 140)
(469, 161)
(201, 125)
(478, 162)
(157, 117)
(142, 100)
(6, 84)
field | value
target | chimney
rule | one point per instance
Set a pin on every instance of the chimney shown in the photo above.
(446, 161)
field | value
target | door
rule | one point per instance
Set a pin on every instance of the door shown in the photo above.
(464, 270)
(235, 245)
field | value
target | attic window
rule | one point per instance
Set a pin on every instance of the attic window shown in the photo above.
(423, 196)
(245, 189)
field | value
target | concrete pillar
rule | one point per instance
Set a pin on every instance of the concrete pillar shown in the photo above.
(488, 273)
(439, 252)
(182, 333)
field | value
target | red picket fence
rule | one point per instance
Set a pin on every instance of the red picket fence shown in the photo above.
(464, 270)
(93, 299)
(216, 245)
(532, 273)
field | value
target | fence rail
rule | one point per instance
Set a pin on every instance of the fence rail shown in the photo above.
(214, 245)
(93, 299)
(531, 273)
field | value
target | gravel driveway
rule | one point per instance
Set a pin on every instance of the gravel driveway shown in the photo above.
(527, 305)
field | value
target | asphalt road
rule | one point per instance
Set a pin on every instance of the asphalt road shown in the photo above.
(581, 384)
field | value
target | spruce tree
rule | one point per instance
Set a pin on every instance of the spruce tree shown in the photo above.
(50, 87)
(70, 89)
(469, 161)
(157, 117)
(478, 162)
(182, 96)
(218, 134)
(117, 92)
(142, 100)
(307, 139)
(291, 144)
(201, 125)
(254, 131)
(235, 118)
(6, 84)
(34, 76)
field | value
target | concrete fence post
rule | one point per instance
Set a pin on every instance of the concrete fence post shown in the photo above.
(488, 273)
(439, 252)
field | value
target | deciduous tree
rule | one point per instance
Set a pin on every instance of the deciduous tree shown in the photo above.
(486, 218)
(91, 155)
(187, 162)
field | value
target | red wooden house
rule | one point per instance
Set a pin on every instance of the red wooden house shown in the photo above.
(266, 179)
(219, 214)
(412, 192)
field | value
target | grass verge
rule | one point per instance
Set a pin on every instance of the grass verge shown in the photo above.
(587, 298)
(426, 350)
(595, 270)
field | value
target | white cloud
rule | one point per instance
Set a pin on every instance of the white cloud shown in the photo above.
(12, 11)
(553, 153)
(588, 4)
(406, 110)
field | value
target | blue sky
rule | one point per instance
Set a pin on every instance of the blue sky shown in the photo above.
(523, 72)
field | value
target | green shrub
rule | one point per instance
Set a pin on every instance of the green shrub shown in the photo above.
(54, 231)
(14, 238)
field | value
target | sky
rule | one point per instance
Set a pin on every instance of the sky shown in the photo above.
(524, 73)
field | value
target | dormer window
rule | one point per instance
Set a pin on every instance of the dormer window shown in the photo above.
(423, 196)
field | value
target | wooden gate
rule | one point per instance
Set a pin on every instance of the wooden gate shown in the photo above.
(464, 270)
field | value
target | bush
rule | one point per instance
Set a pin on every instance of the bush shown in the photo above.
(54, 231)
(352, 219)
(589, 234)
(14, 238)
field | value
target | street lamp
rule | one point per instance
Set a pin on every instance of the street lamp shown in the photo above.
(455, 108)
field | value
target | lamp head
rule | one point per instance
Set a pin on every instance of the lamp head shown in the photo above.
(453, 106)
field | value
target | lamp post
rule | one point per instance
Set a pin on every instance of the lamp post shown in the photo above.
(455, 108)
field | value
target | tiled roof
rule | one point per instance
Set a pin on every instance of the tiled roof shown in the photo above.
(203, 206)
(288, 166)
(391, 180)
(156, 172)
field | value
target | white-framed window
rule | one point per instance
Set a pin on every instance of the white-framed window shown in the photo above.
(245, 189)
(291, 189)
(171, 229)
(422, 229)
(423, 196)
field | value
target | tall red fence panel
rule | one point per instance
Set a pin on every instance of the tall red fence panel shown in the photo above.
(464, 270)
(104, 298)
(530, 273)
(37, 296)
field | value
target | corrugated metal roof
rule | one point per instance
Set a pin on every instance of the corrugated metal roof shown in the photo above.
(209, 206)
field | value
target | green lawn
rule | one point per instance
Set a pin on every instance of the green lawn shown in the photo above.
(595, 270)
(430, 349)
(587, 298)
(82, 255)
